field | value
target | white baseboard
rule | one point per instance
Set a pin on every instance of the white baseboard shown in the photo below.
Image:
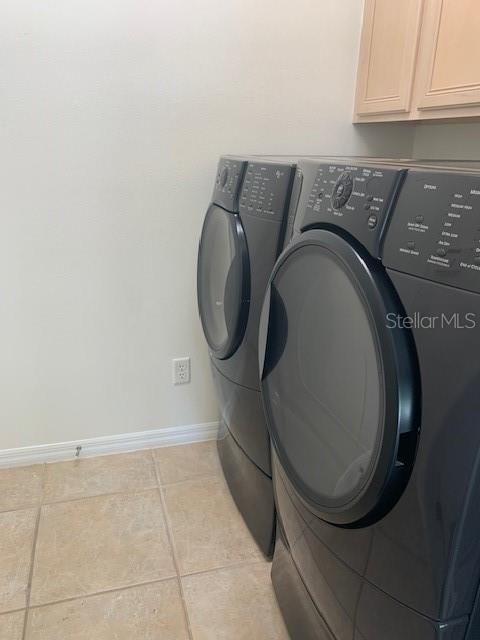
(106, 445)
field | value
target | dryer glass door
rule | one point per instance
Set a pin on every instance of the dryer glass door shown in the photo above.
(223, 281)
(339, 385)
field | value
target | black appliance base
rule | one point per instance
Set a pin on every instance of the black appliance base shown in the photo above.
(252, 491)
(300, 614)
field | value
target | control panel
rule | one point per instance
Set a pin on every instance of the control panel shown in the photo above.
(355, 198)
(435, 229)
(266, 190)
(227, 183)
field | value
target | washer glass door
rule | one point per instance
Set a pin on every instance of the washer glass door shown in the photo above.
(223, 281)
(338, 385)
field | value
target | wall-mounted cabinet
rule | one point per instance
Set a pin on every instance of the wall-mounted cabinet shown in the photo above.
(419, 60)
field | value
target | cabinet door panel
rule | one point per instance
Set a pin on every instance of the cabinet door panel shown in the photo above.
(449, 60)
(388, 53)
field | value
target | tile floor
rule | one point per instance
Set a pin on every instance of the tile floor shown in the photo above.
(139, 546)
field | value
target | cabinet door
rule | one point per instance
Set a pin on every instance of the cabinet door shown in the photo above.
(449, 58)
(388, 51)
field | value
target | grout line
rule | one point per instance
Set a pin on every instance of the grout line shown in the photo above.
(169, 531)
(153, 487)
(79, 498)
(85, 596)
(35, 503)
(5, 613)
(100, 495)
(205, 476)
(23, 507)
(33, 552)
(158, 483)
(45, 503)
(234, 565)
(134, 585)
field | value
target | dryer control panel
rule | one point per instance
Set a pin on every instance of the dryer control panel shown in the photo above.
(266, 190)
(435, 229)
(228, 182)
(356, 198)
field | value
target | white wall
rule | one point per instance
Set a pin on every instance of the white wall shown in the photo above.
(113, 114)
(447, 141)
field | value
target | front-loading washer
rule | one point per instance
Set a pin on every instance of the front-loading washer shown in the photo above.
(241, 238)
(370, 377)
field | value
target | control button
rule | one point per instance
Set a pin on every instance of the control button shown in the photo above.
(342, 190)
(419, 218)
(441, 252)
(367, 207)
(369, 198)
(372, 222)
(224, 176)
(411, 244)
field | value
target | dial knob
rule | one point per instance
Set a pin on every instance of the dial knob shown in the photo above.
(342, 190)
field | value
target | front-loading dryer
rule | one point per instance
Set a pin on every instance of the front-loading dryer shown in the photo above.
(241, 238)
(370, 380)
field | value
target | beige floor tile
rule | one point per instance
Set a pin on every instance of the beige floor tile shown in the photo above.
(20, 487)
(187, 461)
(207, 528)
(95, 476)
(150, 612)
(17, 529)
(100, 543)
(11, 625)
(237, 602)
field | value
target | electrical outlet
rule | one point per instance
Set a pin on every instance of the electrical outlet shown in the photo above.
(181, 370)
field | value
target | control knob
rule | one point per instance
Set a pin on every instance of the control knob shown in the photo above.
(342, 190)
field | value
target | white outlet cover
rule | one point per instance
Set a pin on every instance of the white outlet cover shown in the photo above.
(181, 370)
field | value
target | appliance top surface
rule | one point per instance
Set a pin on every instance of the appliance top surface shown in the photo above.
(462, 166)
(451, 166)
(287, 159)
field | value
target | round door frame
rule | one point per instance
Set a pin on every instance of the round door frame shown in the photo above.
(401, 389)
(228, 348)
